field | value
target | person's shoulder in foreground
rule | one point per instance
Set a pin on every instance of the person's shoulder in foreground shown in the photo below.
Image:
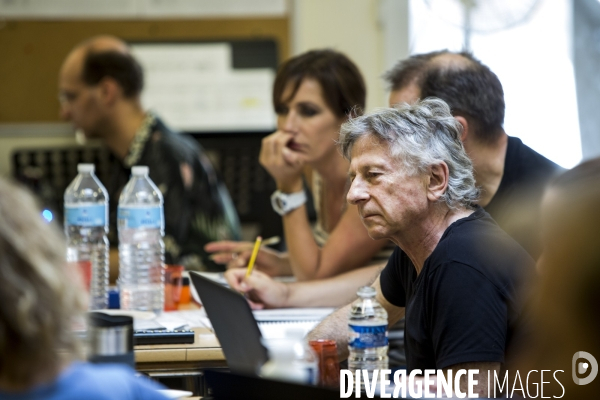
(93, 382)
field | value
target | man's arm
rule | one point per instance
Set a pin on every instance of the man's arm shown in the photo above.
(264, 292)
(335, 327)
(331, 292)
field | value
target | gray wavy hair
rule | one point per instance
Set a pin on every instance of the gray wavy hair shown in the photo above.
(40, 294)
(420, 135)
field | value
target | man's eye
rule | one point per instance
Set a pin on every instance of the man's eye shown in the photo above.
(68, 97)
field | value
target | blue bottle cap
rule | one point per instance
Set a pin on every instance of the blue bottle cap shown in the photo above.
(113, 299)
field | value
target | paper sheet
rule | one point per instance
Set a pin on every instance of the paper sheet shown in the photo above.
(174, 320)
(280, 330)
(292, 314)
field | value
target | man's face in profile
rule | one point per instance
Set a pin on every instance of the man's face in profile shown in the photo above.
(79, 102)
(390, 200)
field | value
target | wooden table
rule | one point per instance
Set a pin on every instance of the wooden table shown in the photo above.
(180, 366)
(205, 350)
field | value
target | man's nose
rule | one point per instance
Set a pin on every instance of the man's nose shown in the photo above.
(357, 192)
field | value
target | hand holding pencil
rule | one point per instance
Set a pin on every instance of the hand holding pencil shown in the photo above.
(261, 290)
(238, 254)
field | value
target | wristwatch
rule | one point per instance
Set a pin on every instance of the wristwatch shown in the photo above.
(283, 203)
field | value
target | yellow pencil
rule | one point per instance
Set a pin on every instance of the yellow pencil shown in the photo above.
(253, 257)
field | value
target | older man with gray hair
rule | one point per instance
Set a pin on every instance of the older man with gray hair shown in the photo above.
(455, 273)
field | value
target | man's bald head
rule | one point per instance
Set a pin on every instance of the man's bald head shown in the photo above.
(104, 43)
(470, 88)
(98, 77)
(105, 56)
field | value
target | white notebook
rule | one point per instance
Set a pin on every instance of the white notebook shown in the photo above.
(292, 314)
(274, 324)
(282, 329)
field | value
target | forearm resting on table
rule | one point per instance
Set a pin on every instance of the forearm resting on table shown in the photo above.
(334, 327)
(340, 290)
(331, 292)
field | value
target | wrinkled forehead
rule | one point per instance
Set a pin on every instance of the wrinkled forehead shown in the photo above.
(373, 151)
(370, 149)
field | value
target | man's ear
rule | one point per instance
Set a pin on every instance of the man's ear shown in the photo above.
(438, 181)
(110, 90)
(465, 124)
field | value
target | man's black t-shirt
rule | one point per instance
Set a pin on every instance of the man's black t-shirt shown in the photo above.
(515, 206)
(463, 304)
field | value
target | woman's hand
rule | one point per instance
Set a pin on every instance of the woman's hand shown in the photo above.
(283, 163)
(262, 291)
(237, 255)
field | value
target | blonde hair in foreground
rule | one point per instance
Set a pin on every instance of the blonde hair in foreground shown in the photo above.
(39, 294)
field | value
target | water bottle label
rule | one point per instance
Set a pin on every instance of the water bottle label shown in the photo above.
(147, 217)
(86, 215)
(364, 337)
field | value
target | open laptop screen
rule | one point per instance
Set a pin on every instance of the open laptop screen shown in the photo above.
(234, 325)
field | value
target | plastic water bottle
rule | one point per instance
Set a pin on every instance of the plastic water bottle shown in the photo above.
(86, 227)
(368, 334)
(141, 248)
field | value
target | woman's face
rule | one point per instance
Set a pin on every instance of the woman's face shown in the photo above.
(313, 125)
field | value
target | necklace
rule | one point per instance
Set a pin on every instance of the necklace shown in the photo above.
(139, 140)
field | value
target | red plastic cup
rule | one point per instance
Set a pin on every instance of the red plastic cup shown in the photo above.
(329, 366)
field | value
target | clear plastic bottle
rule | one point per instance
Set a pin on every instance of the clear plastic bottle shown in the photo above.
(141, 248)
(368, 334)
(86, 227)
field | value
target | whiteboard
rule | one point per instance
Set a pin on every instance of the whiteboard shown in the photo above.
(193, 87)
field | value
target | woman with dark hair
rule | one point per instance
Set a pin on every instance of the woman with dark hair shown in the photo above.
(41, 298)
(314, 93)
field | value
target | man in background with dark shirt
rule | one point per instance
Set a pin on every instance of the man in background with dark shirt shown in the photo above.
(511, 175)
(100, 86)
(455, 274)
